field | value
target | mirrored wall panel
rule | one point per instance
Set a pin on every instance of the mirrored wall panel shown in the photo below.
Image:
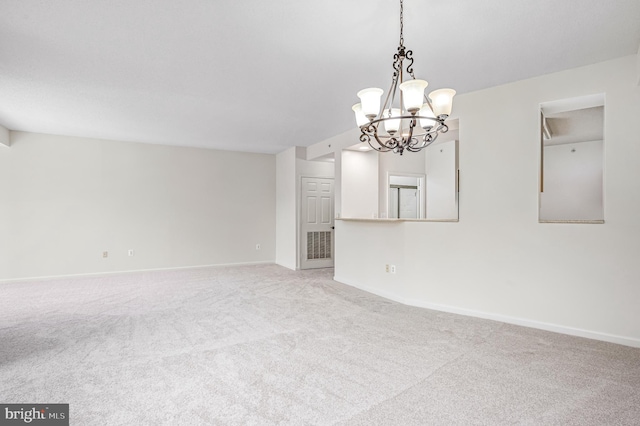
(414, 186)
(423, 186)
(442, 181)
(572, 160)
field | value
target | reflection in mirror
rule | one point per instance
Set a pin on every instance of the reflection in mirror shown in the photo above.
(426, 187)
(571, 169)
(406, 196)
(414, 186)
(442, 180)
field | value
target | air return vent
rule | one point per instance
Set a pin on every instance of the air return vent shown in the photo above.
(319, 245)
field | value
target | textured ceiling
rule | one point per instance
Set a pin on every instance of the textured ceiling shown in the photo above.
(261, 76)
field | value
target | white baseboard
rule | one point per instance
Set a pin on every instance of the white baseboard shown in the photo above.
(133, 271)
(611, 338)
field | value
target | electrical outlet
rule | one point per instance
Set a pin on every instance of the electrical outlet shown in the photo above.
(393, 269)
(257, 246)
(386, 268)
(130, 252)
(105, 254)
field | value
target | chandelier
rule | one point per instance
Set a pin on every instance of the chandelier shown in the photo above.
(411, 124)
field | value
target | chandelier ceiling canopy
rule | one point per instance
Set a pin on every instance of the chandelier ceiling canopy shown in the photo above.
(414, 120)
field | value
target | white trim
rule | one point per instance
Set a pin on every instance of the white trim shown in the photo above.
(98, 274)
(287, 266)
(606, 337)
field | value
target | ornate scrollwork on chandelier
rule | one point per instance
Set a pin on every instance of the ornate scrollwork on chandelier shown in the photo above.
(418, 120)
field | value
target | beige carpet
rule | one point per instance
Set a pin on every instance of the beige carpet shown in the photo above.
(256, 345)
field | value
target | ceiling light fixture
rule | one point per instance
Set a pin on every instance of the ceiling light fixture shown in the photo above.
(415, 121)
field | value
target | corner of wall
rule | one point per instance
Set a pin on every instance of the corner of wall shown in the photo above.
(5, 137)
(334, 144)
(286, 207)
(301, 152)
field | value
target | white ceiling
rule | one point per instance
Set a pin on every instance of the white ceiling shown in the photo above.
(261, 76)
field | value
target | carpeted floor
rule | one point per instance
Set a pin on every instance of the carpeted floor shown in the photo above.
(256, 345)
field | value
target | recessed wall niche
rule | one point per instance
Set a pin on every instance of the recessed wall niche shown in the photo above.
(572, 160)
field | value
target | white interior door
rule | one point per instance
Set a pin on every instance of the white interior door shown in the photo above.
(316, 223)
(408, 201)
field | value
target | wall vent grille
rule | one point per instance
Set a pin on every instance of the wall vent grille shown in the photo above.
(319, 245)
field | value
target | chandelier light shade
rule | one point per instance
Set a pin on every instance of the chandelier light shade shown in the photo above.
(413, 93)
(361, 119)
(442, 101)
(370, 101)
(427, 117)
(391, 123)
(411, 122)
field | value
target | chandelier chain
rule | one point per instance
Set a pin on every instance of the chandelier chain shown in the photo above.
(401, 23)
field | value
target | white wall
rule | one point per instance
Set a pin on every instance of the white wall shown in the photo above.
(572, 182)
(65, 200)
(5, 137)
(498, 261)
(441, 181)
(291, 167)
(333, 145)
(638, 67)
(286, 232)
(359, 182)
(324, 169)
(337, 187)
